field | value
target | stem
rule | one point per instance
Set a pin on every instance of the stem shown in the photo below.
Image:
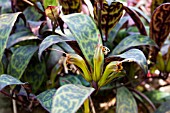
(92, 106)
(86, 106)
(14, 103)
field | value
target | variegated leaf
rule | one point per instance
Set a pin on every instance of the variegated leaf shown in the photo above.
(160, 24)
(132, 41)
(45, 98)
(155, 4)
(135, 55)
(110, 15)
(70, 79)
(6, 22)
(71, 6)
(86, 33)
(137, 20)
(164, 108)
(48, 41)
(69, 98)
(6, 80)
(20, 59)
(125, 102)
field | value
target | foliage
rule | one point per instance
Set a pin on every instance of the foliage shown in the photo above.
(67, 56)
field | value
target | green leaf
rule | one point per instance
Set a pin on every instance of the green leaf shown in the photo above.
(86, 33)
(69, 98)
(6, 80)
(50, 3)
(70, 79)
(125, 102)
(35, 73)
(6, 22)
(132, 41)
(45, 98)
(135, 55)
(164, 108)
(1, 68)
(48, 41)
(20, 60)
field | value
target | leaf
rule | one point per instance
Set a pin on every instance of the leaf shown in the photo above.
(69, 98)
(132, 41)
(1, 68)
(6, 22)
(90, 7)
(35, 73)
(45, 98)
(110, 15)
(20, 59)
(115, 30)
(6, 80)
(160, 24)
(155, 4)
(164, 108)
(70, 79)
(86, 33)
(5, 6)
(50, 3)
(125, 102)
(48, 41)
(135, 55)
(137, 20)
(20, 36)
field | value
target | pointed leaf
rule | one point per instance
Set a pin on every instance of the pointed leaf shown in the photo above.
(48, 41)
(132, 41)
(45, 98)
(20, 59)
(137, 20)
(6, 22)
(125, 102)
(69, 98)
(164, 108)
(160, 24)
(137, 56)
(70, 79)
(6, 80)
(86, 33)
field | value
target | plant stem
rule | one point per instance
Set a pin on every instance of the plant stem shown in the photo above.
(86, 106)
(14, 103)
(92, 106)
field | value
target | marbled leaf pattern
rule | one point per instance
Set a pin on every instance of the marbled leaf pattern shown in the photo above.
(6, 80)
(69, 98)
(45, 98)
(160, 24)
(137, 56)
(85, 32)
(6, 22)
(20, 59)
(70, 79)
(132, 41)
(125, 102)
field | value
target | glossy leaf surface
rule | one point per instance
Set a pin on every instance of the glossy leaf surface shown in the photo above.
(45, 98)
(132, 41)
(69, 98)
(135, 55)
(6, 22)
(6, 80)
(160, 24)
(20, 59)
(86, 33)
(125, 101)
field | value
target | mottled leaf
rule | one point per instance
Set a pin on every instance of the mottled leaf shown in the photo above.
(164, 108)
(48, 41)
(45, 98)
(115, 30)
(71, 6)
(20, 36)
(110, 15)
(125, 102)
(136, 56)
(35, 73)
(6, 80)
(132, 41)
(69, 98)
(20, 59)
(70, 79)
(86, 33)
(6, 22)
(50, 3)
(137, 20)
(160, 24)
